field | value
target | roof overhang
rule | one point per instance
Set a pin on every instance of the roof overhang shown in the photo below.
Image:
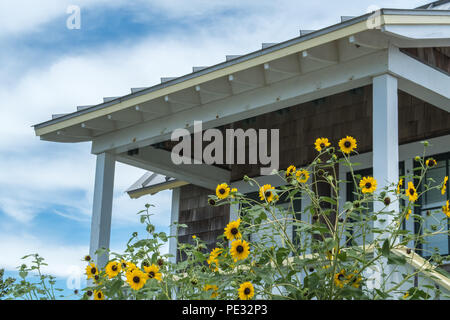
(236, 77)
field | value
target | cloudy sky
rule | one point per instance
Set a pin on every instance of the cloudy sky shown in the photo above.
(45, 68)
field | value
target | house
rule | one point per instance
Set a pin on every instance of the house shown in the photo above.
(382, 77)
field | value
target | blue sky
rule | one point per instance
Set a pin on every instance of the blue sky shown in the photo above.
(46, 188)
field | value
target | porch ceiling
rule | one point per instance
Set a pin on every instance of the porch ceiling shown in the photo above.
(302, 65)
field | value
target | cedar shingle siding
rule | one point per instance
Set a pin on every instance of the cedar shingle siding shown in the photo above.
(204, 221)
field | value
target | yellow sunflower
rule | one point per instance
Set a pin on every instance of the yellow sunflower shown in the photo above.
(233, 192)
(430, 162)
(87, 258)
(239, 249)
(411, 192)
(340, 279)
(444, 185)
(222, 191)
(354, 279)
(91, 271)
(214, 289)
(302, 175)
(232, 230)
(399, 185)
(153, 272)
(265, 192)
(321, 143)
(406, 295)
(136, 279)
(446, 209)
(112, 269)
(213, 260)
(246, 291)
(368, 185)
(408, 214)
(98, 295)
(290, 171)
(347, 144)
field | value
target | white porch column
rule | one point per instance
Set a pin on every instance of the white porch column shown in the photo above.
(102, 207)
(385, 139)
(174, 216)
(385, 162)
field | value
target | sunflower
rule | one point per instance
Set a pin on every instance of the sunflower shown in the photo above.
(153, 272)
(340, 279)
(430, 162)
(222, 191)
(232, 230)
(408, 214)
(347, 144)
(321, 143)
(213, 258)
(446, 209)
(399, 185)
(91, 271)
(233, 192)
(368, 184)
(290, 171)
(444, 185)
(98, 295)
(239, 249)
(136, 279)
(127, 266)
(266, 193)
(87, 258)
(246, 291)
(212, 287)
(302, 175)
(411, 192)
(354, 279)
(406, 295)
(112, 269)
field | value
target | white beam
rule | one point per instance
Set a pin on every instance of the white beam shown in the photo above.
(385, 141)
(159, 161)
(174, 217)
(420, 80)
(102, 207)
(295, 90)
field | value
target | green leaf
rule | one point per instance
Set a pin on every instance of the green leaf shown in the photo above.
(385, 249)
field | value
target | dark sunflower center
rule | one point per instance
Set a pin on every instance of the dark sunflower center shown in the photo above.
(322, 145)
(93, 270)
(340, 277)
(247, 291)
(136, 279)
(240, 249)
(411, 192)
(368, 185)
(267, 194)
(151, 274)
(234, 231)
(99, 294)
(222, 191)
(114, 268)
(347, 144)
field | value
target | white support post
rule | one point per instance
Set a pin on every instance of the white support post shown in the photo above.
(174, 216)
(385, 161)
(102, 207)
(385, 139)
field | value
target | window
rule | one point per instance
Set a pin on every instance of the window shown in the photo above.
(432, 203)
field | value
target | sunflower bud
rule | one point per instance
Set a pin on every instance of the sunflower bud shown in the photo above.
(408, 251)
(89, 293)
(211, 202)
(160, 262)
(387, 201)
(417, 158)
(246, 178)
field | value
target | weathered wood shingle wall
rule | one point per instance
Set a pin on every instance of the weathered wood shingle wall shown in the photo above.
(202, 220)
